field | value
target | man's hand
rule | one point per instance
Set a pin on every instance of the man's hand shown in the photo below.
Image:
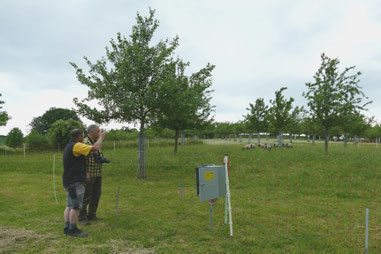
(88, 177)
(97, 144)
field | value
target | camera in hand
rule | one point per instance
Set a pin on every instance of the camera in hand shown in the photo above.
(104, 160)
(100, 159)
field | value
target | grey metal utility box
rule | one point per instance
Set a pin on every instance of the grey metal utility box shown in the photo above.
(211, 182)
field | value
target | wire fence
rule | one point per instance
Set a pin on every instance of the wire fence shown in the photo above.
(280, 197)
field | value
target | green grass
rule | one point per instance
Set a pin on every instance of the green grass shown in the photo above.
(283, 201)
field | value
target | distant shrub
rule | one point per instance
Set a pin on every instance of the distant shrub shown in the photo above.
(36, 141)
(60, 132)
(14, 138)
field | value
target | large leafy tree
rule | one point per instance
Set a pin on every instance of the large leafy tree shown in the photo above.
(258, 117)
(43, 123)
(185, 100)
(126, 83)
(332, 93)
(4, 117)
(280, 112)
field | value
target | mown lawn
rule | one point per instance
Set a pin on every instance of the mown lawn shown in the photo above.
(283, 201)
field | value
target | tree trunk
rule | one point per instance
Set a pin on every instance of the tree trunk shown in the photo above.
(176, 140)
(259, 138)
(345, 139)
(141, 154)
(326, 141)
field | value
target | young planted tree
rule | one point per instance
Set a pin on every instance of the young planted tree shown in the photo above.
(280, 112)
(258, 118)
(185, 101)
(127, 82)
(4, 117)
(332, 93)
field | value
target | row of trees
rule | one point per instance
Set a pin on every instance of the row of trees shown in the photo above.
(226, 129)
(334, 100)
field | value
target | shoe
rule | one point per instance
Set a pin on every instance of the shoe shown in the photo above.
(84, 222)
(76, 232)
(95, 219)
(66, 230)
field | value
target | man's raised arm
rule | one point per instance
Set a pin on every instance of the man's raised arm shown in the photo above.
(97, 144)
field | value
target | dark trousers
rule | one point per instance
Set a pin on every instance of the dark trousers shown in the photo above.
(92, 195)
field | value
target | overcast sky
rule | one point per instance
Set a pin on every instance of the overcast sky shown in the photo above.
(257, 47)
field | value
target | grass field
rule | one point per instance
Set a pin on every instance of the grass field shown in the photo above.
(283, 201)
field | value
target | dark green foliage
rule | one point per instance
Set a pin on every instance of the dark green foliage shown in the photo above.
(60, 132)
(37, 141)
(373, 132)
(4, 117)
(223, 129)
(43, 123)
(14, 138)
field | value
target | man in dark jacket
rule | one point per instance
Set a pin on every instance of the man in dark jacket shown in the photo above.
(74, 177)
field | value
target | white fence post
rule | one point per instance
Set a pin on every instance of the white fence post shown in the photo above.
(366, 230)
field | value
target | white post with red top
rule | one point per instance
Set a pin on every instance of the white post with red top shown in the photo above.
(226, 160)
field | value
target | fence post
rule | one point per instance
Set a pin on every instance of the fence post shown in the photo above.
(54, 182)
(181, 190)
(142, 149)
(366, 230)
(24, 150)
(211, 215)
(117, 201)
(226, 160)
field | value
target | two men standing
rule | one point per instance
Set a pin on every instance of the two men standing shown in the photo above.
(74, 178)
